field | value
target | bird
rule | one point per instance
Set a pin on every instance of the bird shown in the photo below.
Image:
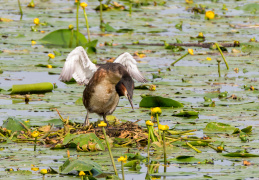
(104, 83)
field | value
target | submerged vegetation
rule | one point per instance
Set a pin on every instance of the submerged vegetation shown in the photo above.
(196, 118)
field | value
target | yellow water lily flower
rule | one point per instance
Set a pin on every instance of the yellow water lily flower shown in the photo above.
(52, 56)
(163, 127)
(102, 124)
(36, 21)
(49, 66)
(35, 134)
(155, 111)
(70, 26)
(43, 171)
(123, 159)
(149, 123)
(189, 1)
(81, 173)
(83, 5)
(190, 51)
(33, 42)
(35, 168)
(208, 59)
(209, 14)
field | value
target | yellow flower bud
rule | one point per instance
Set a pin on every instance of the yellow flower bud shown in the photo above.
(252, 39)
(52, 56)
(208, 59)
(81, 173)
(43, 171)
(35, 134)
(33, 42)
(200, 34)
(155, 111)
(49, 66)
(102, 124)
(36, 21)
(190, 51)
(152, 87)
(149, 123)
(163, 127)
(209, 14)
(83, 5)
(70, 27)
(123, 159)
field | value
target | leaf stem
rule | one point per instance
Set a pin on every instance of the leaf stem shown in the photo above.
(87, 26)
(222, 55)
(130, 8)
(159, 132)
(148, 145)
(179, 59)
(101, 14)
(122, 170)
(194, 148)
(219, 67)
(20, 7)
(110, 153)
(77, 25)
(35, 142)
(71, 38)
(164, 148)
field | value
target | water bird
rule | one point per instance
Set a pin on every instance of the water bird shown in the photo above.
(104, 83)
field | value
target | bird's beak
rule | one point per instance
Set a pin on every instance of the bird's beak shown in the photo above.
(127, 95)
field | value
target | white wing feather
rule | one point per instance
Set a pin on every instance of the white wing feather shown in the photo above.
(131, 65)
(78, 66)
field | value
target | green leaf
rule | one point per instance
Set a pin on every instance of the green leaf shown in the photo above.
(79, 102)
(187, 113)
(216, 127)
(199, 143)
(132, 156)
(83, 139)
(14, 125)
(62, 38)
(109, 28)
(240, 154)
(248, 129)
(134, 164)
(158, 101)
(77, 165)
(249, 7)
(32, 88)
(185, 159)
(92, 47)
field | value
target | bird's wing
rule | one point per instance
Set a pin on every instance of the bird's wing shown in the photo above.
(131, 65)
(78, 66)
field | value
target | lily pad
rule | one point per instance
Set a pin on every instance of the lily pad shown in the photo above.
(62, 37)
(78, 165)
(187, 113)
(217, 127)
(82, 139)
(158, 101)
(14, 125)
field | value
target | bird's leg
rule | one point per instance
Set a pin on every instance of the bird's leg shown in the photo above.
(86, 119)
(104, 118)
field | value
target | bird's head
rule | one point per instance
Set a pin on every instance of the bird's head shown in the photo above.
(125, 87)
